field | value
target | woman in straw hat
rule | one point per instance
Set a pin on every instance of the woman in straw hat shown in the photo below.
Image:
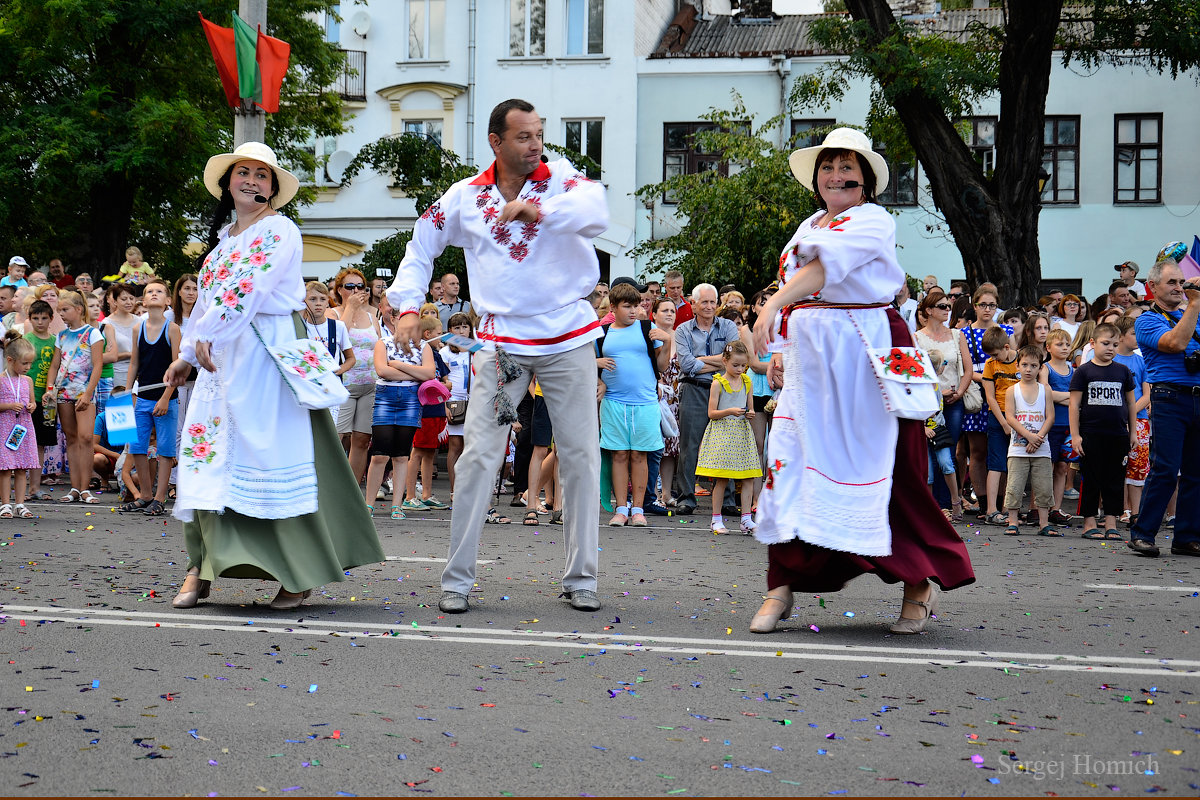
(846, 488)
(264, 488)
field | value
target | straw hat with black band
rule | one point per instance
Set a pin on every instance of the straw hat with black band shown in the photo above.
(804, 161)
(287, 183)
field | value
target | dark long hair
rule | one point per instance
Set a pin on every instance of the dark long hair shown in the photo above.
(223, 210)
(177, 299)
(829, 154)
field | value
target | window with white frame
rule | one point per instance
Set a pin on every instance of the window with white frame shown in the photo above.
(586, 136)
(902, 182)
(426, 30)
(585, 27)
(801, 128)
(429, 128)
(526, 28)
(321, 148)
(1137, 158)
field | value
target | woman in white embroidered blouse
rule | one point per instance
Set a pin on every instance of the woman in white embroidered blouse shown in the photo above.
(845, 491)
(264, 488)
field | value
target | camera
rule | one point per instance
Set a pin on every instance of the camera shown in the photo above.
(1191, 362)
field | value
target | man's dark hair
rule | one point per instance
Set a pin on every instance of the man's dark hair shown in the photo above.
(10, 287)
(1118, 284)
(40, 307)
(498, 121)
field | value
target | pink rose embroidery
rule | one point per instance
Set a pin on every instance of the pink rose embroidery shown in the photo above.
(299, 371)
(256, 242)
(246, 285)
(311, 358)
(230, 298)
(234, 256)
(201, 450)
(206, 279)
(258, 259)
(222, 272)
(196, 430)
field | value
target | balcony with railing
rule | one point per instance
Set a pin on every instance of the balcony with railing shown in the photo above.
(352, 84)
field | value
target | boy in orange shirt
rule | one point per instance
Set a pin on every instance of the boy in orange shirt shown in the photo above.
(999, 373)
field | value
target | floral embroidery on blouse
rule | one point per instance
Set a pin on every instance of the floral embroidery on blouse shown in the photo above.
(232, 276)
(203, 435)
(435, 215)
(774, 470)
(489, 205)
(838, 222)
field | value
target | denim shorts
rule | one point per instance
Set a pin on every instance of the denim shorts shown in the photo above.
(941, 461)
(164, 427)
(396, 405)
(998, 440)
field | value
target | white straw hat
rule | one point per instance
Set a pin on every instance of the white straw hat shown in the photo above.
(804, 161)
(289, 184)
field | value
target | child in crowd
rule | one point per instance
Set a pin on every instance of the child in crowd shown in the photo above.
(156, 346)
(16, 273)
(1139, 460)
(45, 430)
(432, 431)
(999, 373)
(1058, 372)
(71, 383)
(1103, 430)
(134, 270)
(330, 332)
(727, 451)
(1029, 411)
(941, 459)
(459, 361)
(631, 356)
(400, 367)
(19, 451)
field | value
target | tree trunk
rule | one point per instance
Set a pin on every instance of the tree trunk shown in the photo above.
(993, 218)
(111, 211)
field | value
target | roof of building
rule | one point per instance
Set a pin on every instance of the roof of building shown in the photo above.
(724, 36)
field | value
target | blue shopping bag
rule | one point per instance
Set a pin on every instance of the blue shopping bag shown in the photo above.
(119, 420)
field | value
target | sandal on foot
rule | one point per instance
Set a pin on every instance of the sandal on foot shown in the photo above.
(154, 509)
(531, 518)
(956, 511)
(1093, 533)
(87, 497)
(42, 495)
(556, 518)
(1114, 534)
(1049, 530)
(70, 497)
(397, 513)
(996, 518)
(6, 511)
(1012, 530)
(136, 505)
(21, 511)
(493, 518)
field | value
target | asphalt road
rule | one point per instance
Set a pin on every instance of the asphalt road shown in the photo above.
(1070, 667)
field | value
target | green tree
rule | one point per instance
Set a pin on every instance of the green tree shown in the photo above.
(109, 110)
(732, 228)
(923, 84)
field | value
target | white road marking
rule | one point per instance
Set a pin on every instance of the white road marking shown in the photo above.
(765, 648)
(1139, 587)
(430, 559)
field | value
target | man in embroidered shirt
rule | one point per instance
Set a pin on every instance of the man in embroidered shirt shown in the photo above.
(521, 222)
(451, 303)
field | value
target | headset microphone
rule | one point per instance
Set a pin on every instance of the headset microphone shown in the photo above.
(846, 185)
(258, 198)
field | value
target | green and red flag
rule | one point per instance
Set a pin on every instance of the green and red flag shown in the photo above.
(251, 64)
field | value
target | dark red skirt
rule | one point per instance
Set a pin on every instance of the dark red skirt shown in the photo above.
(924, 544)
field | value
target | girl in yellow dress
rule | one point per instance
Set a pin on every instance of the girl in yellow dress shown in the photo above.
(728, 451)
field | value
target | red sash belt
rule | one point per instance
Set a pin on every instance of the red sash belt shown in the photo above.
(786, 311)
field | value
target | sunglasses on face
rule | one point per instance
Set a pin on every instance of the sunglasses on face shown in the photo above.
(354, 287)
(954, 296)
(942, 306)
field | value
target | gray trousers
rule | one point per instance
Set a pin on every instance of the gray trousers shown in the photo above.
(568, 382)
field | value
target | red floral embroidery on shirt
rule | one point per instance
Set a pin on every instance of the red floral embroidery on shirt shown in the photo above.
(529, 230)
(569, 184)
(838, 222)
(435, 215)
(541, 186)
(490, 213)
(518, 251)
(501, 233)
(483, 199)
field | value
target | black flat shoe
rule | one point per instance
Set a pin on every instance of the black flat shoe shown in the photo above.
(1186, 549)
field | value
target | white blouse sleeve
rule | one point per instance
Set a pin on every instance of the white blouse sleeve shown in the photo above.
(856, 237)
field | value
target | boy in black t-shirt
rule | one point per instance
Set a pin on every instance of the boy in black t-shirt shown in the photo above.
(1103, 430)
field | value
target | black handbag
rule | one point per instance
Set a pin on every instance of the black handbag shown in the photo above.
(941, 438)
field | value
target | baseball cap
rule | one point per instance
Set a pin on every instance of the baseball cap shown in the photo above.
(1131, 264)
(641, 287)
(17, 260)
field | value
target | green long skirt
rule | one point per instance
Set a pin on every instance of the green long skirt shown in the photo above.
(300, 552)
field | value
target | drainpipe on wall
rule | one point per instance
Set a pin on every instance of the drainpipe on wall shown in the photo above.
(471, 82)
(782, 66)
